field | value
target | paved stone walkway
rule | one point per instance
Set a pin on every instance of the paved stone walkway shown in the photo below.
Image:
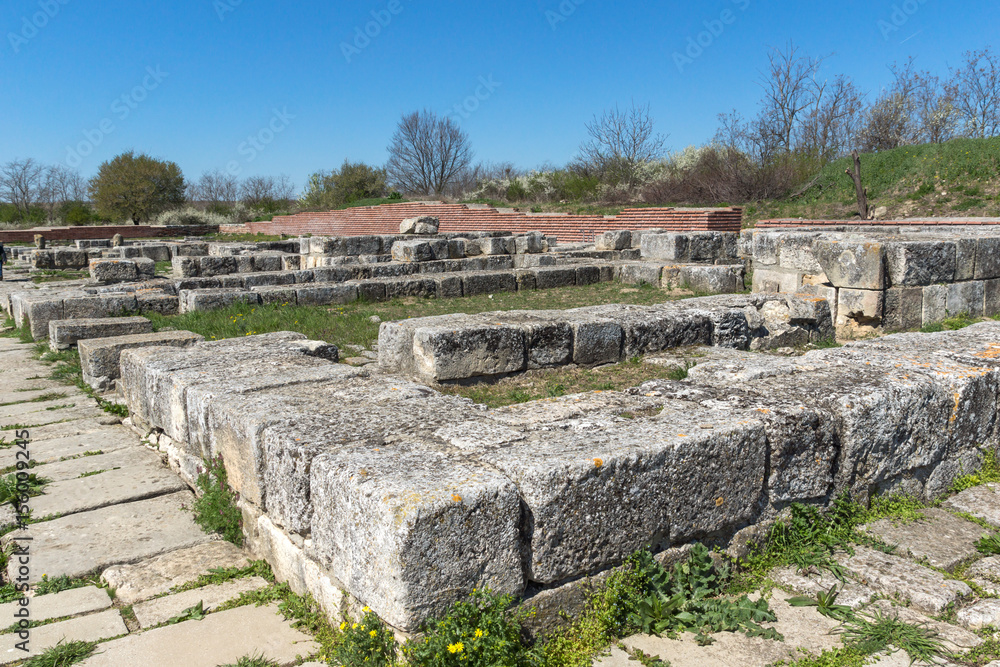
(114, 509)
(915, 583)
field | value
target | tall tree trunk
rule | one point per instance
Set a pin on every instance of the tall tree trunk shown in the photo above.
(861, 190)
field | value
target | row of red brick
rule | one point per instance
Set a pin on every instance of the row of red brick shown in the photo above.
(104, 232)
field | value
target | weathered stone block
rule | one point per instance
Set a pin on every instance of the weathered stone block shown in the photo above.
(113, 270)
(413, 535)
(903, 308)
(864, 307)
(426, 225)
(646, 273)
(588, 275)
(456, 248)
(967, 297)
(215, 299)
(185, 266)
(852, 265)
(277, 294)
(614, 240)
(987, 258)
(267, 263)
(64, 334)
(164, 304)
(529, 261)
(530, 243)
(326, 294)
(921, 263)
(441, 354)
(499, 245)
(107, 305)
(965, 259)
(935, 307)
(596, 341)
(403, 287)
(474, 284)
(412, 251)
(218, 266)
(717, 279)
(449, 287)
(991, 301)
(776, 281)
(549, 278)
(100, 357)
(669, 247)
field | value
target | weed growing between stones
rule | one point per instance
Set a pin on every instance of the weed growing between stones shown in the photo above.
(252, 661)
(50, 586)
(215, 509)
(841, 657)
(953, 323)
(62, 654)
(68, 371)
(366, 643)
(989, 473)
(220, 575)
(480, 631)
(12, 488)
(877, 633)
(825, 603)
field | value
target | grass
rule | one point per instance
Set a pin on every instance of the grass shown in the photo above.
(252, 661)
(557, 382)
(352, 325)
(67, 370)
(58, 276)
(50, 396)
(952, 323)
(988, 473)
(62, 654)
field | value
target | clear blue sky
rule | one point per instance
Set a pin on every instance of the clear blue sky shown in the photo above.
(199, 77)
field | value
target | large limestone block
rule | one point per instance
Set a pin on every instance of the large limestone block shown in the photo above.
(713, 279)
(903, 308)
(104, 305)
(669, 247)
(705, 246)
(939, 538)
(935, 305)
(192, 301)
(991, 301)
(548, 341)
(412, 251)
(646, 273)
(326, 294)
(864, 307)
(474, 284)
(648, 329)
(774, 280)
(64, 334)
(968, 297)
(917, 264)
(398, 288)
(615, 240)
(410, 531)
(987, 259)
(596, 340)
(594, 496)
(113, 270)
(551, 277)
(441, 353)
(795, 252)
(100, 357)
(427, 225)
(854, 265)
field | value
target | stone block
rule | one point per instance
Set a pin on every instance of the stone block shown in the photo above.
(705, 246)
(669, 247)
(965, 259)
(596, 341)
(456, 248)
(100, 357)
(614, 240)
(496, 245)
(530, 243)
(164, 304)
(903, 308)
(852, 265)
(267, 263)
(776, 281)
(548, 278)
(64, 334)
(106, 305)
(189, 250)
(113, 270)
(987, 258)
(251, 280)
(417, 287)
(718, 279)
(645, 273)
(412, 251)
(291, 262)
(186, 267)
(413, 536)
(70, 258)
(935, 307)
(865, 307)
(660, 465)
(795, 252)
(588, 275)
(991, 301)
(967, 297)
(529, 261)
(449, 287)
(474, 284)
(326, 294)
(918, 264)
(215, 299)
(443, 353)
(426, 225)
(371, 291)
(526, 281)
(218, 266)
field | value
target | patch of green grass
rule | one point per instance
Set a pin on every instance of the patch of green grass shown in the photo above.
(256, 568)
(215, 509)
(899, 508)
(351, 324)
(877, 633)
(17, 484)
(983, 654)
(952, 323)
(164, 268)
(841, 657)
(49, 586)
(58, 276)
(62, 654)
(67, 370)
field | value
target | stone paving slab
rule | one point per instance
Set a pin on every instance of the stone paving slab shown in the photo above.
(944, 539)
(83, 543)
(94, 627)
(890, 575)
(982, 502)
(986, 574)
(19, 397)
(26, 411)
(850, 593)
(980, 614)
(126, 457)
(112, 487)
(247, 630)
(160, 610)
(66, 603)
(67, 429)
(14, 383)
(103, 439)
(152, 577)
(53, 416)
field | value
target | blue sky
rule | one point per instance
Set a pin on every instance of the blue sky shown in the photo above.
(262, 87)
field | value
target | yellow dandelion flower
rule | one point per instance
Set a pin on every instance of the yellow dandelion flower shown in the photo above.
(343, 626)
(456, 648)
(354, 627)
(366, 610)
(373, 634)
(479, 633)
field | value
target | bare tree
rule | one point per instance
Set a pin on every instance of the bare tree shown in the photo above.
(828, 129)
(21, 182)
(215, 187)
(975, 89)
(791, 88)
(427, 153)
(893, 120)
(60, 185)
(266, 190)
(621, 142)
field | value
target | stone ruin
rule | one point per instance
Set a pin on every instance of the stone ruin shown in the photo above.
(369, 486)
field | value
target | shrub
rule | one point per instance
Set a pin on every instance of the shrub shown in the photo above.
(477, 632)
(216, 510)
(352, 182)
(366, 643)
(190, 216)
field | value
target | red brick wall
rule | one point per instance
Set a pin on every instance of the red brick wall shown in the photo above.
(798, 224)
(385, 219)
(104, 232)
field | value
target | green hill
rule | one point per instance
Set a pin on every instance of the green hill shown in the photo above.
(960, 178)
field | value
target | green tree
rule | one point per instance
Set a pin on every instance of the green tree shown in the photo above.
(352, 182)
(136, 187)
